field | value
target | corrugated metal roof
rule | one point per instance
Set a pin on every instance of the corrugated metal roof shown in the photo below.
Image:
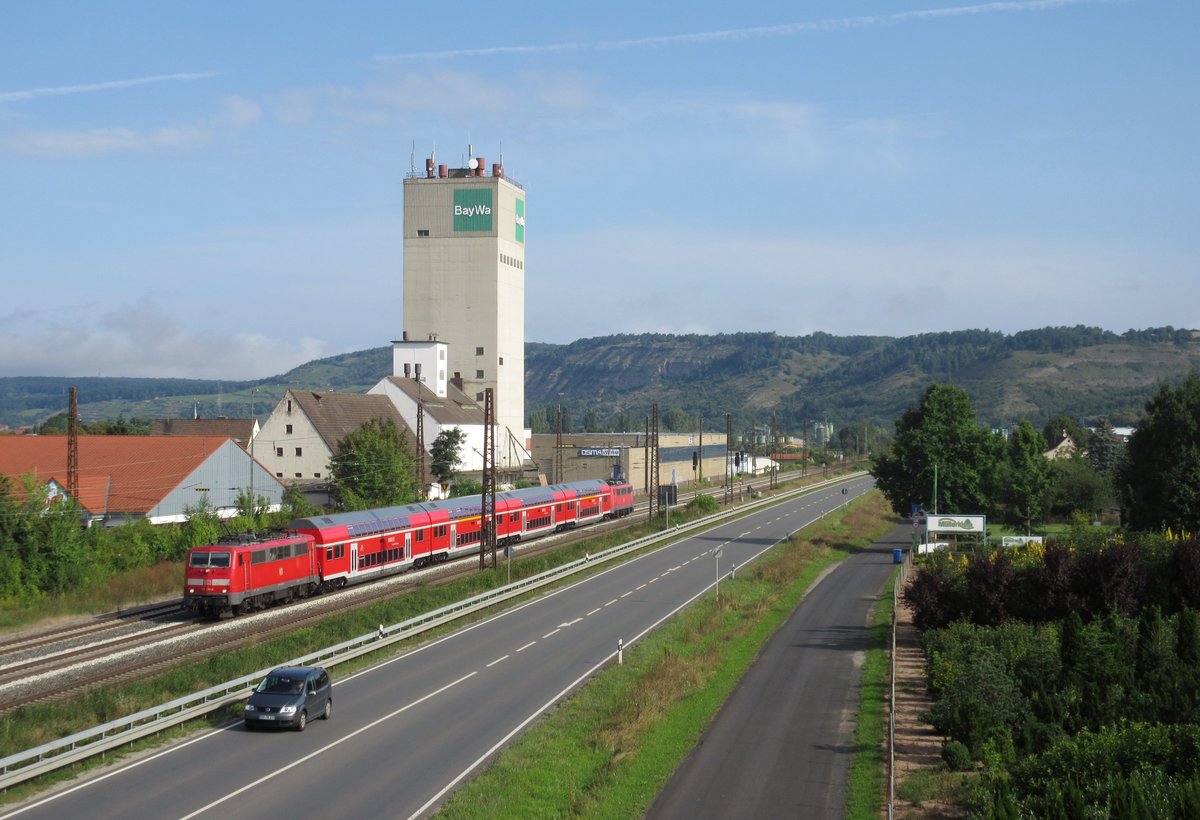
(117, 474)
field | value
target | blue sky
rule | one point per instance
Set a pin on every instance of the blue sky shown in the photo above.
(215, 190)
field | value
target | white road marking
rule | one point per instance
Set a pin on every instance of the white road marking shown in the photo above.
(493, 663)
(327, 747)
(526, 646)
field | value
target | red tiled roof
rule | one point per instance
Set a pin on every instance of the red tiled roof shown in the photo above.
(116, 473)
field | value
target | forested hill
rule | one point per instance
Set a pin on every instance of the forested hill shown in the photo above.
(1034, 374)
(611, 382)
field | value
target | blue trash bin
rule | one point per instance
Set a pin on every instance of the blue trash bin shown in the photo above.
(898, 555)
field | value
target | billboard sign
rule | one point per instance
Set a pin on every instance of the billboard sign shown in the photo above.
(472, 210)
(955, 523)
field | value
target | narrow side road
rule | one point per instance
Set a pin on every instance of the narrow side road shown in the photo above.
(781, 745)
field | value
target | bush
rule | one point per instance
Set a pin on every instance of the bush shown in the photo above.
(957, 756)
(936, 593)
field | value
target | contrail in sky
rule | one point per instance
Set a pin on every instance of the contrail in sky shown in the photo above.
(35, 93)
(782, 30)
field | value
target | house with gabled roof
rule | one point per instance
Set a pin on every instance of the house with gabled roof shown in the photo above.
(157, 478)
(299, 438)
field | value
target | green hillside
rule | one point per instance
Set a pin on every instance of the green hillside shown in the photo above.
(611, 382)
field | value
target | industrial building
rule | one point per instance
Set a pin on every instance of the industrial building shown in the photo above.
(602, 455)
(464, 286)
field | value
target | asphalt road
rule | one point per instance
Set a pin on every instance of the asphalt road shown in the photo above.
(781, 745)
(405, 733)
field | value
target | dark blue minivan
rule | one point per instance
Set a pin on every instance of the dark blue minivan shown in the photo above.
(290, 696)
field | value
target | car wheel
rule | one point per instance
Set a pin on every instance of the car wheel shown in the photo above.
(328, 709)
(302, 721)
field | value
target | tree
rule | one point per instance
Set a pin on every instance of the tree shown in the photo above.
(1103, 449)
(940, 434)
(445, 453)
(1063, 425)
(1159, 479)
(1025, 478)
(1078, 487)
(373, 467)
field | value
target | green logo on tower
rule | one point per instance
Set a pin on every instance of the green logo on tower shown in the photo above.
(521, 221)
(472, 209)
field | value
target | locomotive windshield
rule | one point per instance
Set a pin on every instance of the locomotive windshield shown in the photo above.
(209, 559)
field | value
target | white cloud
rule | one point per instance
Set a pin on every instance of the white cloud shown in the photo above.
(102, 141)
(677, 282)
(739, 34)
(142, 338)
(88, 88)
(235, 113)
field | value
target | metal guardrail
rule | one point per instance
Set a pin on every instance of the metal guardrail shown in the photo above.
(48, 757)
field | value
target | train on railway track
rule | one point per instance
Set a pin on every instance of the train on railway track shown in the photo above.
(326, 552)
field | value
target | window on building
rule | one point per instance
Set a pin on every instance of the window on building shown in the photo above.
(501, 360)
(479, 351)
(422, 232)
(288, 429)
(279, 475)
(478, 397)
(299, 475)
(289, 405)
(441, 355)
(299, 451)
(316, 475)
(479, 374)
(278, 452)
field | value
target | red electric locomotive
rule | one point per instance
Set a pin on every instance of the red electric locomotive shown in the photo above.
(246, 573)
(330, 551)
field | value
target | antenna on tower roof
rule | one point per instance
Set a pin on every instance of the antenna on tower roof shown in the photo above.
(412, 159)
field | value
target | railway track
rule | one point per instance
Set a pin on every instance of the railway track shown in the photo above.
(58, 663)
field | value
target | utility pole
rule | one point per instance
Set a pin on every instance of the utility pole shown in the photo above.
(487, 521)
(73, 445)
(558, 446)
(419, 444)
(655, 490)
(646, 460)
(728, 458)
(774, 453)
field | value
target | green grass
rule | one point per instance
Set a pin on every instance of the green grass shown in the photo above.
(607, 751)
(142, 586)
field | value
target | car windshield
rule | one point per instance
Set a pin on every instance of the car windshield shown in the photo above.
(209, 559)
(281, 685)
